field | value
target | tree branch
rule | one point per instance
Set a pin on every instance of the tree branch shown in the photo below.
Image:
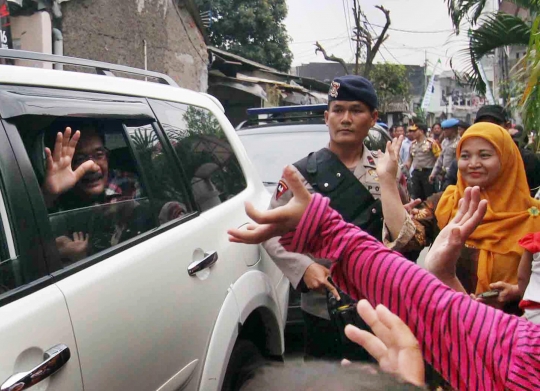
(333, 58)
(380, 40)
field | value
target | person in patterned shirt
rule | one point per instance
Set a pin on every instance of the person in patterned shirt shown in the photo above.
(77, 176)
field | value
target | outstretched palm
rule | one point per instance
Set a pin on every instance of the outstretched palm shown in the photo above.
(388, 163)
(60, 177)
(275, 222)
(441, 259)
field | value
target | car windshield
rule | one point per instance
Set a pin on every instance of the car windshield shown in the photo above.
(270, 152)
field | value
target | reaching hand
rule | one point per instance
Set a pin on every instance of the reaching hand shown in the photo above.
(75, 249)
(388, 163)
(441, 259)
(431, 178)
(275, 222)
(392, 343)
(60, 177)
(316, 279)
(508, 293)
(410, 207)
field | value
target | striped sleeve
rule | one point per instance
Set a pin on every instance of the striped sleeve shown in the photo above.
(472, 345)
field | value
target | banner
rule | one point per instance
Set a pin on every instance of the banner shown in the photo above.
(5, 28)
(429, 89)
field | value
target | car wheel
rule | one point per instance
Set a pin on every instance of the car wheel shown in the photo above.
(245, 360)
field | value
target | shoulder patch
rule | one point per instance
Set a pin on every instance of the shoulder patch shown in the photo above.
(375, 154)
(371, 160)
(281, 189)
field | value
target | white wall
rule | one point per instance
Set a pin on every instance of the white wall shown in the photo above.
(33, 33)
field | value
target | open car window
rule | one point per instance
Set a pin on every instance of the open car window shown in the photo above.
(135, 189)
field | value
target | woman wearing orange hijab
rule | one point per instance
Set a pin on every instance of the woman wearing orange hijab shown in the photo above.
(487, 157)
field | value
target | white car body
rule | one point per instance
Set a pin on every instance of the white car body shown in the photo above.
(136, 320)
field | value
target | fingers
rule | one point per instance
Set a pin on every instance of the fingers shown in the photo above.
(370, 316)
(57, 152)
(74, 140)
(374, 346)
(332, 289)
(271, 216)
(87, 166)
(295, 185)
(65, 140)
(499, 286)
(48, 159)
(255, 235)
(396, 326)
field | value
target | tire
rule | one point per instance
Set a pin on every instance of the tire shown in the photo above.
(245, 360)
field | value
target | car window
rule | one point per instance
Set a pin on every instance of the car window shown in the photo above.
(131, 189)
(207, 157)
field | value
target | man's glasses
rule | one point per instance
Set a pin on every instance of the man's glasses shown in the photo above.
(100, 154)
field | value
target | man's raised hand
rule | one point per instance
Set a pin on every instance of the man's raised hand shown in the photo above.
(275, 222)
(60, 177)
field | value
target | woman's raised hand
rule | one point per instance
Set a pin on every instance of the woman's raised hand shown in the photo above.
(275, 222)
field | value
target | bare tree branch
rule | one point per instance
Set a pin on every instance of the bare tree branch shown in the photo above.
(319, 48)
(380, 40)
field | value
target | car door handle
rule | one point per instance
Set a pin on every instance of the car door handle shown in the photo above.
(53, 360)
(195, 267)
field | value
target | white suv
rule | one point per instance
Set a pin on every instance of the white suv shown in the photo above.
(159, 299)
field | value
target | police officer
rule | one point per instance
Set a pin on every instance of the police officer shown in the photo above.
(451, 139)
(346, 172)
(423, 154)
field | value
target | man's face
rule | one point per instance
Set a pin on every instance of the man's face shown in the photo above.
(418, 134)
(411, 134)
(436, 130)
(400, 131)
(349, 121)
(450, 132)
(90, 147)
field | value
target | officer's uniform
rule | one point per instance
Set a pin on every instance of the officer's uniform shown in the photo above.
(423, 154)
(446, 157)
(324, 173)
(448, 153)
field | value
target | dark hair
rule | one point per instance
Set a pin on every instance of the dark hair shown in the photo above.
(75, 124)
(423, 127)
(319, 375)
(437, 123)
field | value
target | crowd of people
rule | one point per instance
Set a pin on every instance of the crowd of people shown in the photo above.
(342, 224)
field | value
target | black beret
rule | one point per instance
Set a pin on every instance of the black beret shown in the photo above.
(351, 88)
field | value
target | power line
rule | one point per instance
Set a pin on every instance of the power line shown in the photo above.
(416, 31)
(318, 40)
(345, 8)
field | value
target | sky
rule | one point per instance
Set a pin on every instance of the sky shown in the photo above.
(324, 21)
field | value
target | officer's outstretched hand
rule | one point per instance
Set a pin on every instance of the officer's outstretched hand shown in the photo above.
(278, 221)
(388, 163)
(392, 343)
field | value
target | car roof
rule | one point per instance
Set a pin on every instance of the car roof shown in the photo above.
(28, 76)
(284, 128)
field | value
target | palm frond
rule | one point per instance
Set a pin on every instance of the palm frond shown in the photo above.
(460, 10)
(532, 6)
(497, 31)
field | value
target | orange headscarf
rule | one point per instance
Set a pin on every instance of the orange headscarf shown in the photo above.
(511, 214)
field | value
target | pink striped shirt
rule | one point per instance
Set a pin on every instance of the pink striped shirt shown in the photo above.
(473, 346)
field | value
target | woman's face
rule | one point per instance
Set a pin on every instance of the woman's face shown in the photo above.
(478, 162)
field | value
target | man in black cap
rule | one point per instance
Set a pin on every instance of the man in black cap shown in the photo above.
(493, 113)
(345, 171)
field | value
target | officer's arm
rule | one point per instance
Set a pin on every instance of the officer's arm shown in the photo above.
(292, 265)
(438, 165)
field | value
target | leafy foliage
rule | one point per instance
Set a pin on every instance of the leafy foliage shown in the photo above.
(498, 30)
(253, 29)
(391, 83)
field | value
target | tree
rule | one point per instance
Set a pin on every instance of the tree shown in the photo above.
(391, 83)
(496, 30)
(367, 43)
(253, 29)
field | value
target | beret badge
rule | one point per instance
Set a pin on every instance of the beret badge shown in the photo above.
(334, 87)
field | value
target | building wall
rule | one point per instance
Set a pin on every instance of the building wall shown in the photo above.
(32, 33)
(116, 31)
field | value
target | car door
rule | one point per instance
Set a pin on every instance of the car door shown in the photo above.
(37, 343)
(143, 304)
